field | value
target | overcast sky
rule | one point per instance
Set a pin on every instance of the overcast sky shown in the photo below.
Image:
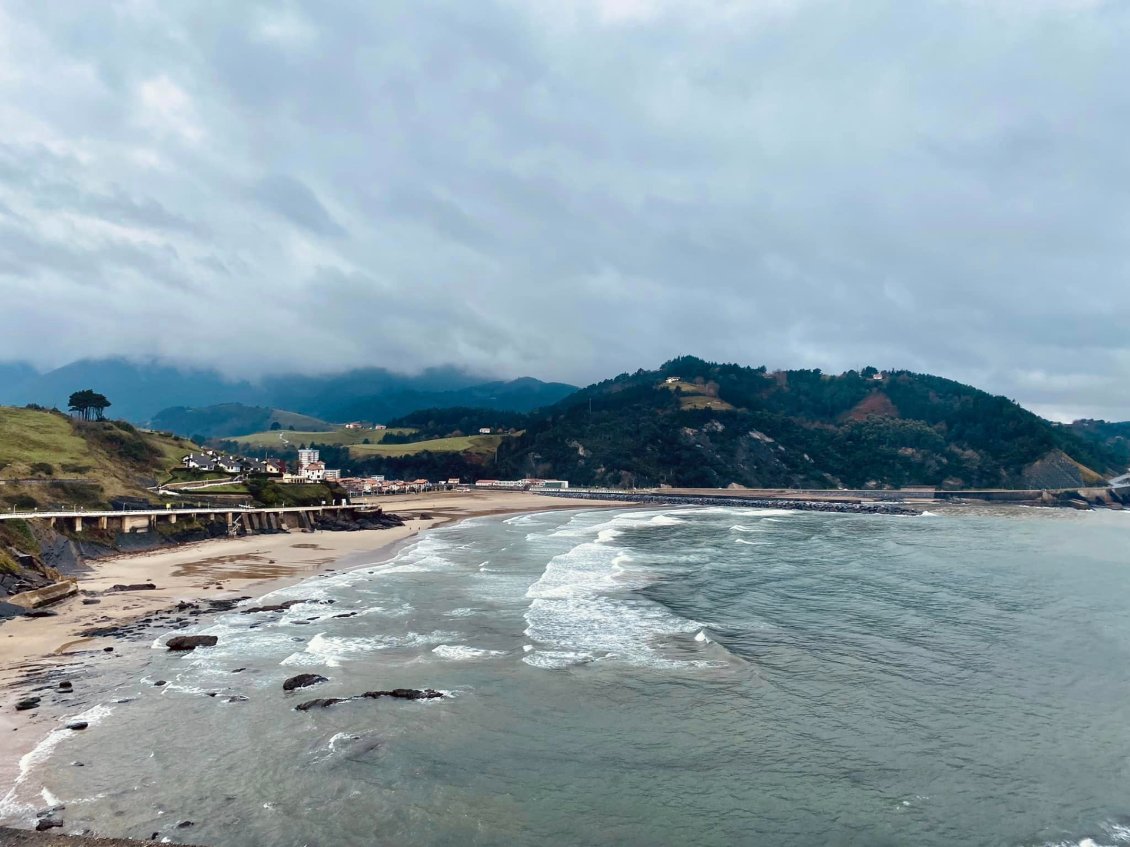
(573, 188)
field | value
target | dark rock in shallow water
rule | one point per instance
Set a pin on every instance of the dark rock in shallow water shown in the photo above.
(181, 643)
(137, 586)
(320, 703)
(397, 693)
(160, 682)
(66, 685)
(107, 649)
(303, 680)
(40, 613)
(406, 694)
(76, 725)
(44, 824)
(90, 601)
(27, 703)
(185, 824)
(277, 607)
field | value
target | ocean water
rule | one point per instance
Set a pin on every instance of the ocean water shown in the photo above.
(644, 677)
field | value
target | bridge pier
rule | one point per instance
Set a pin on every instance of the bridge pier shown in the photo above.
(78, 524)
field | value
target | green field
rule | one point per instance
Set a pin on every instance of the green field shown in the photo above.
(345, 437)
(304, 422)
(478, 444)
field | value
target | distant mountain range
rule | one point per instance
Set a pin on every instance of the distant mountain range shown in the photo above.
(141, 392)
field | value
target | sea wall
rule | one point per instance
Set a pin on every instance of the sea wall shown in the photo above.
(747, 502)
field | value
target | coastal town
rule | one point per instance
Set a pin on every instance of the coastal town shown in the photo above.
(310, 469)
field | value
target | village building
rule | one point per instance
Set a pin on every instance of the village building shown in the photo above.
(199, 462)
(265, 467)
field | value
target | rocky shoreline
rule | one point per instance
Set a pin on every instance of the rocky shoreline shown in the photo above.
(43, 555)
(31, 838)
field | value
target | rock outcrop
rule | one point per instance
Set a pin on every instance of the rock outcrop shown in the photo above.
(303, 680)
(185, 643)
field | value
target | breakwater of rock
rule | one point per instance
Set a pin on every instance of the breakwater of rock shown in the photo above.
(741, 502)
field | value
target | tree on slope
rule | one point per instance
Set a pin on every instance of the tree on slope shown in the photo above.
(89, 404)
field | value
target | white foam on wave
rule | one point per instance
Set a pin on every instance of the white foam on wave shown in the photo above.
(745, 511)
(11, 806)
(1115, 835)
(330, 650)
(607, 536)
(574, 620)
(581, 526)
(557, 659)
(739, 528)
(462, 613)
(751, 543)
(461, 652)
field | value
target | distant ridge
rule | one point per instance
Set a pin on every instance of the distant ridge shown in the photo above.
(140, 392)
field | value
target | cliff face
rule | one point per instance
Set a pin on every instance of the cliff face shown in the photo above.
(1058, 470)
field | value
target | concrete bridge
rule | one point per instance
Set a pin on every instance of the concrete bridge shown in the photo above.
(144, 520)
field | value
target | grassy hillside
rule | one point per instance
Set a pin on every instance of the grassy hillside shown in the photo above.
(232, 419)
(47, 458)
(477, 445)
(722, 424)
(280, 439)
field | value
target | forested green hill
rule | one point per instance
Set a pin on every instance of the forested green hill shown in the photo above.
(722, 423)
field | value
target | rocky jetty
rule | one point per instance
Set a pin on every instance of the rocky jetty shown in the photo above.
(861, 508)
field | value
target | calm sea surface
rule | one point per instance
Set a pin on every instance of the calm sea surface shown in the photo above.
(679, 676)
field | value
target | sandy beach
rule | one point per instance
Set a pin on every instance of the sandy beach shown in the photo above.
(226, 568)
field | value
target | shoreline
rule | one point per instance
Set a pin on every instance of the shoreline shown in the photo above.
(38, 650)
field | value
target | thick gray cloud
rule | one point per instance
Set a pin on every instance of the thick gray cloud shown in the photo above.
(571, 188)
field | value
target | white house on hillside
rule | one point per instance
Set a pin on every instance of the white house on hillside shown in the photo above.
(199, 462)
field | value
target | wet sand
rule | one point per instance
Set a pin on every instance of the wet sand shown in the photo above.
(211, 570)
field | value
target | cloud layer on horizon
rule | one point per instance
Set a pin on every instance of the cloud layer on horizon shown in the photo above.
(572, 189)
